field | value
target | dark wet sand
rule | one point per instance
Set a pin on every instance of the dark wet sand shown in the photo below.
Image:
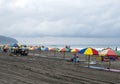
(43, 70)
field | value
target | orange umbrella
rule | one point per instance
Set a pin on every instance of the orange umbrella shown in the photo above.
(75, 50)
(54, 50)
(64, 50)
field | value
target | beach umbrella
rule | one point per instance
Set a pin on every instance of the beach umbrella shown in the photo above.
(19, 44)
(64, 50)
(44, 49)
(117, 53)
(89, 52)
(39, 49)
(6, 46)
(31, 48)
(24, 45)
(16, 45)
(75, 50)
(109, 53)
(51, 49)
(54, 50)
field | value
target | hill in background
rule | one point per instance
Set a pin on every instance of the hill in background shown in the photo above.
(7, 40)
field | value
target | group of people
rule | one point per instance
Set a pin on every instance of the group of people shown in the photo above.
(14, 50)
(75, 58)
(19, 51)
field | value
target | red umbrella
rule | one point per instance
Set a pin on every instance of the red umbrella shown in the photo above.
(64, 50)
(54, 50)
(108, 52)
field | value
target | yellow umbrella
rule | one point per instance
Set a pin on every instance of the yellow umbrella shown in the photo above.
(19, 45)
(75, 50)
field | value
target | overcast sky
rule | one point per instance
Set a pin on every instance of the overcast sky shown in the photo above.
(70, 18)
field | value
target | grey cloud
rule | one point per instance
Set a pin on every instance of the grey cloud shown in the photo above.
(59, 18)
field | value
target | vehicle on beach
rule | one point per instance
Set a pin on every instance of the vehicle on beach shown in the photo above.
(19, 51)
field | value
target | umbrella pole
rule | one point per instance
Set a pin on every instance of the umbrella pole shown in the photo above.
(109, 63)
(34, 52)
(39, 52)
(88, 61)
(54, 53)
(64, 55)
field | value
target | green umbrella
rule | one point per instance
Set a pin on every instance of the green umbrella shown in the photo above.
(54, 50)
(117, 53)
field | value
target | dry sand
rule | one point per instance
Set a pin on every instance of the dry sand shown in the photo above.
(44, 70)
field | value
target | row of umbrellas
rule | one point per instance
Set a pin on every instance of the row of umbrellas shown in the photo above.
(89, 52)
(86, 51)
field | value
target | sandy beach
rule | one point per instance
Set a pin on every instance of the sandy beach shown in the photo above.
(45, 70)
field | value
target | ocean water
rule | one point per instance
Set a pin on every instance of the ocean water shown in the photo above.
(73, 42)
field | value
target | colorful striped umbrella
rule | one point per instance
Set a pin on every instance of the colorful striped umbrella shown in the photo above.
(64, 50)
(51, 49)
(108, 52)
(89, 51)
(44, 49)
(16, 45)
(54, 49)
(75, 50)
